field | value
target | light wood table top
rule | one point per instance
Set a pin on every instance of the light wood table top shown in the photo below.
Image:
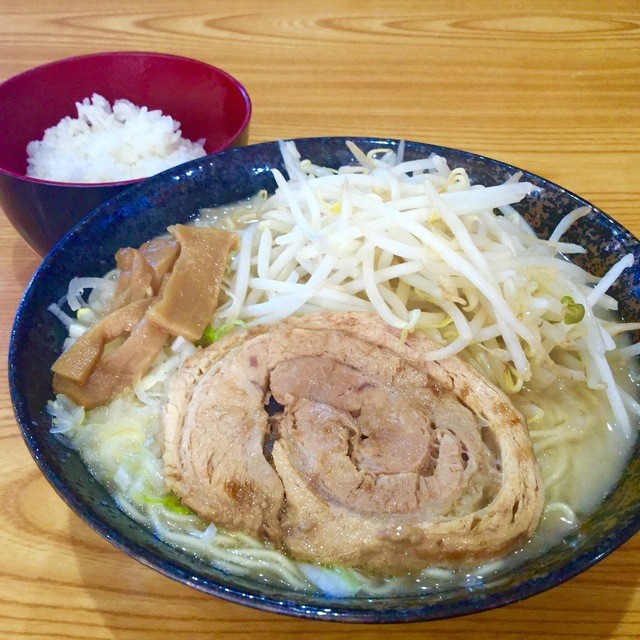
(554, 88)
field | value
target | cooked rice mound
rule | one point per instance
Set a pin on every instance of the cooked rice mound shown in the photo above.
(108, 143)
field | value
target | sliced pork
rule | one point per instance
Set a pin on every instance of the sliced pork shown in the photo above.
(335, 439)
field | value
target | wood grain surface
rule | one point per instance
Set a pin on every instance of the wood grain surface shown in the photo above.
(553, 87)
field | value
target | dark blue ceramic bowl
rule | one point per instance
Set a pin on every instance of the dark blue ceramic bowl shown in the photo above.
(146, 210)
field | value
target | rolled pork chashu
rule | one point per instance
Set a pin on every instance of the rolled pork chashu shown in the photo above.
(377, 458)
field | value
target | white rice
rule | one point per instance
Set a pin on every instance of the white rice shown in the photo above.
(108, 143)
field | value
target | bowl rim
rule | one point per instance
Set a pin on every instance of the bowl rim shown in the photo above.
(474, 602)
(122, 54)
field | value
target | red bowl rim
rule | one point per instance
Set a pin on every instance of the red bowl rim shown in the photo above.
(121, 54)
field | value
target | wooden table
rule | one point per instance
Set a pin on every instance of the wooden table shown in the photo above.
(554, 89)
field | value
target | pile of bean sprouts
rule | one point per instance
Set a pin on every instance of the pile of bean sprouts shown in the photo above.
(417, 243)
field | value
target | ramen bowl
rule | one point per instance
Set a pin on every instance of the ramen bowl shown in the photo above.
(208, 102)
(145, 211)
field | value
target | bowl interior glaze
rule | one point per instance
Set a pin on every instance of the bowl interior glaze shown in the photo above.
(146, 210)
